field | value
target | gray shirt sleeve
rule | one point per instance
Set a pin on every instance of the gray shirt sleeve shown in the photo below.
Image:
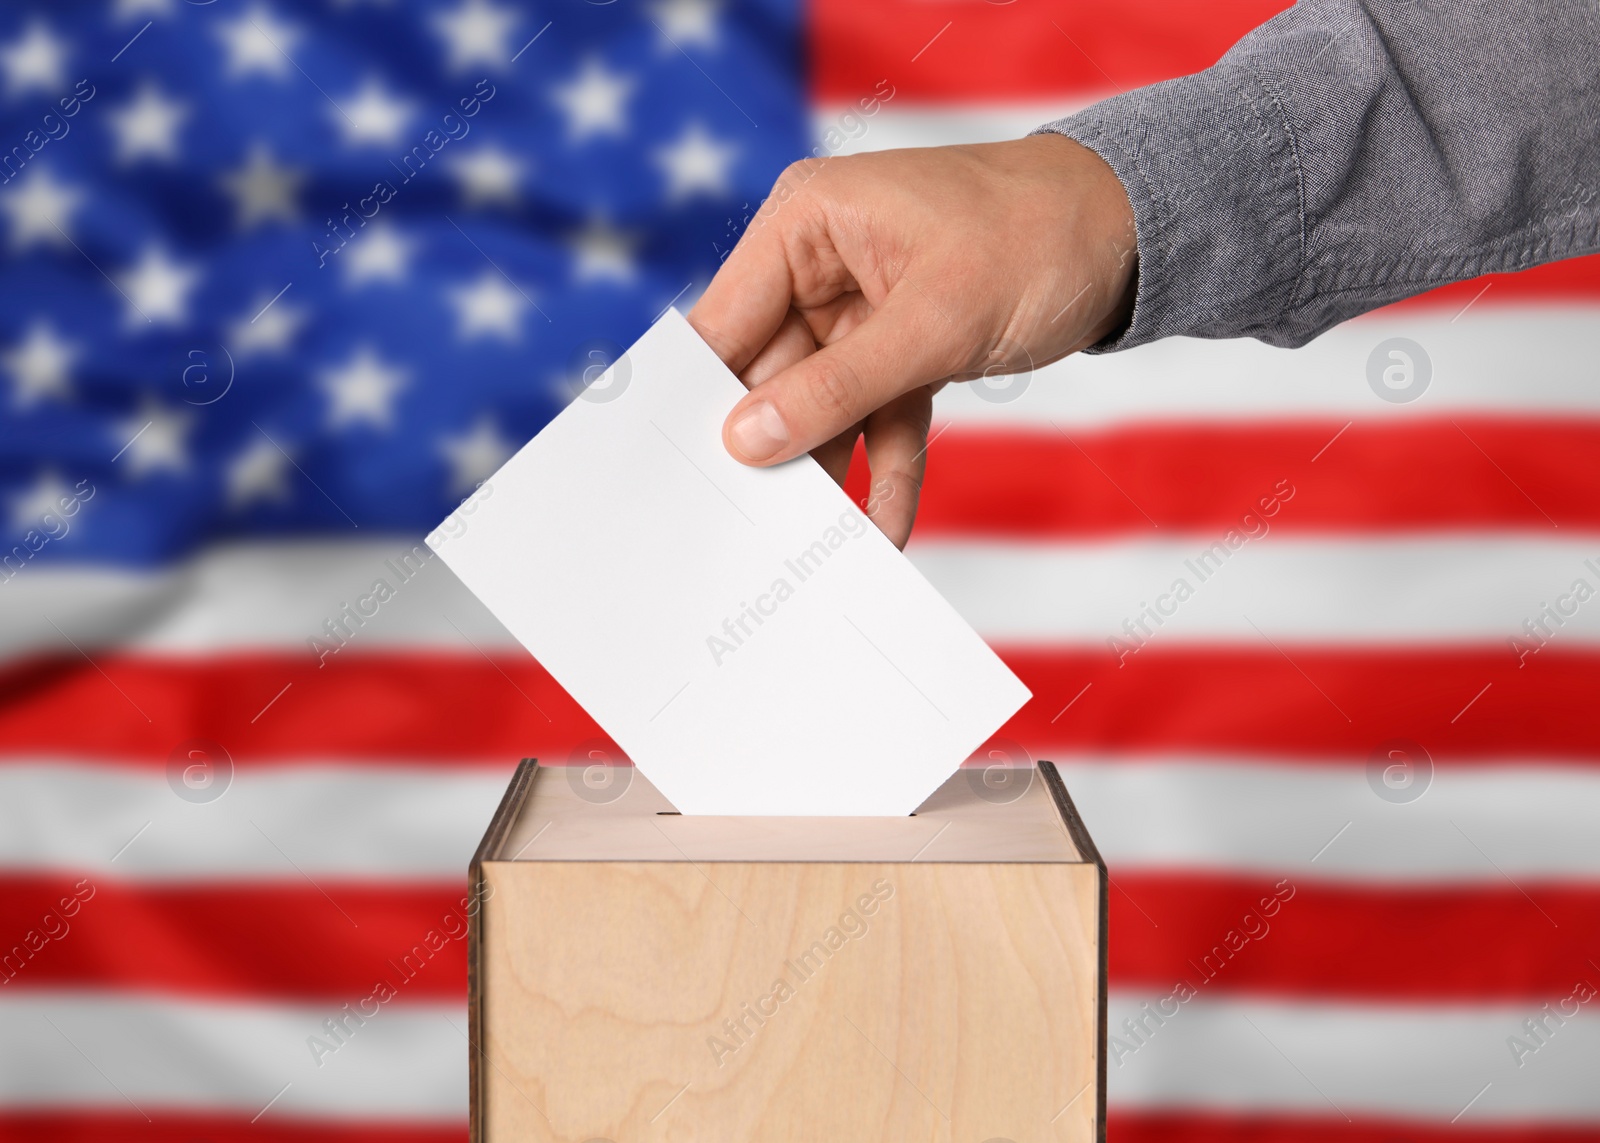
(1348, 153)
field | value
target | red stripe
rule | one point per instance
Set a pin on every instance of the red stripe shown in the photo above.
(1376, 477)
(1575, 279)
(1033, 51)
(379, 707)
(1199, 1127)
(1262, 936)
(335, 943)
(1122, 1126)
(1324, 702)
(167, 1125)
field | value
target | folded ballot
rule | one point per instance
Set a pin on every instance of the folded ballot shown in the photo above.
(746, 635)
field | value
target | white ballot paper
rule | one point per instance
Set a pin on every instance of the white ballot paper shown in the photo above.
(746, 635)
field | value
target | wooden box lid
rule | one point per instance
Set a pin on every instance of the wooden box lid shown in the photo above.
(613, 813)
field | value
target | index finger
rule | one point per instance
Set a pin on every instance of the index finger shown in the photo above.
(748, 297)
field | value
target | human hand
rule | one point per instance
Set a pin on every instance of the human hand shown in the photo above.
(866, 282)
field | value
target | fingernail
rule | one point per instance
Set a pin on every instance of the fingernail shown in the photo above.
(759, 432)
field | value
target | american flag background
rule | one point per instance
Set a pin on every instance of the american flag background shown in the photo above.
(283, 280)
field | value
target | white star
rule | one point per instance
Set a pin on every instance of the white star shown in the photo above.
(148, 125)
(269, 327)
(604, 252)
(257, 42)
(154, 438)
(362, 390)
(487, 175)
(476, 455)
(489, 306)
(258, 473)
(373, 116)
(696, 164)
(157, 289)
(40, 209)
(477, 33)
(262, 190)
(34, 60)
(595, 102)
(382, 254)
(128, 9)
(685, 22)
(29, 508)
(39, 365)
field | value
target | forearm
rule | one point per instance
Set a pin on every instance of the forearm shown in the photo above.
(1345, 155)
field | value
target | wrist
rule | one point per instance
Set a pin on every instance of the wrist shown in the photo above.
(1099, 251)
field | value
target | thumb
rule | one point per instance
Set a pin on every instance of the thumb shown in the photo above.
(903, 344)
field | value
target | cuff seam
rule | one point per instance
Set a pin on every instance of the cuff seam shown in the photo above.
(1528, 246)
(1149, 246)
(1301, 277)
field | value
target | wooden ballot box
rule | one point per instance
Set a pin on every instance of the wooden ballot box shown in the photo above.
(640, 975)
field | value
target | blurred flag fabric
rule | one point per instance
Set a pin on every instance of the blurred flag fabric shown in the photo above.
(283, 281)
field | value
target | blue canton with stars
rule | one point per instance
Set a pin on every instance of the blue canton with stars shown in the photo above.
(278, 268)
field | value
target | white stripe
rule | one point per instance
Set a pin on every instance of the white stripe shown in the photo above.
(1474, 824)
(107, 1050)
(1349, 1060)
(1416, 1062)
(377, 823)
(266, 594)
(1480, 366)
(842, 129)
(1453, 588)
(1471, 825)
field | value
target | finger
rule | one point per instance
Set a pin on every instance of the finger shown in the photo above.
(749, 297)
(834, 319)
(791, 343)
(897, 454)
(835, 455)
(901, 346)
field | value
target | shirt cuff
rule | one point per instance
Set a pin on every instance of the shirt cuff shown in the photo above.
(1209, 166)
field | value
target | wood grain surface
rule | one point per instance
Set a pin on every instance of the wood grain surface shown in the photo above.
(654, 1000)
